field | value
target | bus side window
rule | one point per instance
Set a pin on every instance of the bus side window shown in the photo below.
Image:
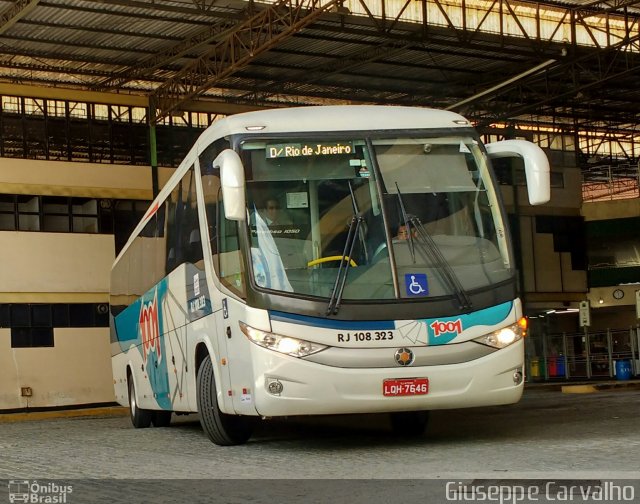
(191, 239)
(183, 228)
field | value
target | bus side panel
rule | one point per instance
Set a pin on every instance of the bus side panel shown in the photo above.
(119, 362)
(151, 333)
(175, 337)
(241, 366)
(205, 330)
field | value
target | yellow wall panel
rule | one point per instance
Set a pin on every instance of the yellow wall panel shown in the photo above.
(77, 370)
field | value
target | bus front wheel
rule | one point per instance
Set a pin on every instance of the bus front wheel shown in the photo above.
(409, 423)
(140, 418)
(222, 429)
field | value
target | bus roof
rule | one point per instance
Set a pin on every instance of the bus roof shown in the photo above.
(331, 118)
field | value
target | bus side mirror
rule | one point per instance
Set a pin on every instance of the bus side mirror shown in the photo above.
(536, 166)
(232, 181)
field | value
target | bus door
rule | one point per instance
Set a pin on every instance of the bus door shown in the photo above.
(227, 273)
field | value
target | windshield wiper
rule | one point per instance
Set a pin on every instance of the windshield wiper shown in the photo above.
(433, 252)
(361, 233)
(343, 269)
(407, 224)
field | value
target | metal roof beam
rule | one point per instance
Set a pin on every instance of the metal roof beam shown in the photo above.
(152, 6)
(299, 83)
(123, 99)
(602, 6)
(146, 67)
(445, 37)
(565, 80)
(69, 43)
(519, 109)
(56, 59)
(97, 29)
(127, 14)
(235, 51)
(16, 11)
(338, 92)
(318, 74)
(498, 87)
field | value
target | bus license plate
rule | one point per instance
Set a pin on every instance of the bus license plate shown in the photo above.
(405, 387)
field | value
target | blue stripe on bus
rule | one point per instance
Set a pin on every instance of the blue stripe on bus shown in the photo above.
(487, 317)
(152, 348)
(371, 325)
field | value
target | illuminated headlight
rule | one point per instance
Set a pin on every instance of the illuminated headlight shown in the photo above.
(283, 344)
(505, 336)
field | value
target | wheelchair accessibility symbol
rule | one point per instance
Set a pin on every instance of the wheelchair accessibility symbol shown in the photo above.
(416, 284)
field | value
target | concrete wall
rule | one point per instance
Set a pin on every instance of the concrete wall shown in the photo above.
(612, 313)
(61, 178)
(564, 200)
(604, 210)
(39, 267)
(77, 370)
(544, 269)
(55, 267)
(548, 275)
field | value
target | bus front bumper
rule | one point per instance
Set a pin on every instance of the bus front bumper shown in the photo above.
(287, 385)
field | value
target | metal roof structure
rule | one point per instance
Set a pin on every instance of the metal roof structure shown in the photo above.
(570, 67)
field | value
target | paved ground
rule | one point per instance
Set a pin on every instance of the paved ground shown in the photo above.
(548, 435)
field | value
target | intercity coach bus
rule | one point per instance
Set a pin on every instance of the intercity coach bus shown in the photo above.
(389, 286)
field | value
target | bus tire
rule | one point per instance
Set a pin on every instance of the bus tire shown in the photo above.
(140, 418)
(409, 423)
(161, 418)
(222, 429)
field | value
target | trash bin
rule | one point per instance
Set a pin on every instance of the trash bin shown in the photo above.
(560, 366)
(535, 368)
(623, 369)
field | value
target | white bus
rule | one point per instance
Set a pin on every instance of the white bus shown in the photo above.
(385, 284)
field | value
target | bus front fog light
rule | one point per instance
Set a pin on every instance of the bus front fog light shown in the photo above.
(517, 377)
(275, 387)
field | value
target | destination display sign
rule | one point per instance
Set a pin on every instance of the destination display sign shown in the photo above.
(286, 150)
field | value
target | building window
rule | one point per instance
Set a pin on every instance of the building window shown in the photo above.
(32, 324)
(61, 214)
(28, 213)
(7, 212)
(31, 337)
(505, 175)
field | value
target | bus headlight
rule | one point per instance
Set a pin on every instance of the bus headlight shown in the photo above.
(283, 344)
(505, 336)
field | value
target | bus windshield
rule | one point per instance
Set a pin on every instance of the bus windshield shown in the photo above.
(369, 218)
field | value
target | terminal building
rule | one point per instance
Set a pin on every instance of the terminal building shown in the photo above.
(95, 114)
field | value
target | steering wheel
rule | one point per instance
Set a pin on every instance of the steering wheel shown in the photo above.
(329, 259)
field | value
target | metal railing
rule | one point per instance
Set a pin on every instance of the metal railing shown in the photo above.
(603, 183)
(588, 355)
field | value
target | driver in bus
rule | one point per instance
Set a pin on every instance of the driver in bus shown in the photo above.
(273, 214)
